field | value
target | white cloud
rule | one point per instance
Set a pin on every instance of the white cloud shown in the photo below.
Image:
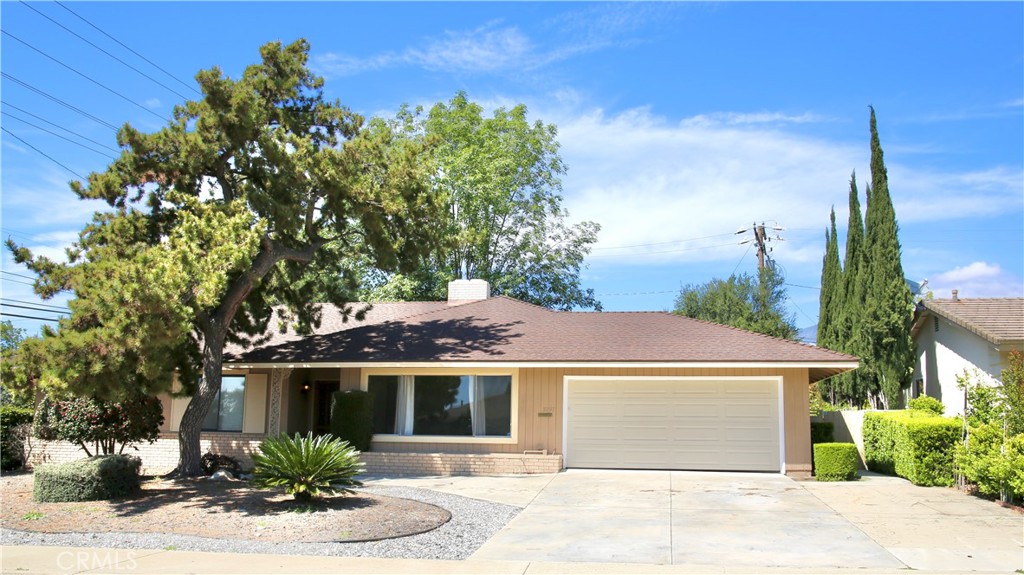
(494, 48)
(152, 103)
(931, 195)
(22, 202)
(488, 48)
(648, 180)
(740, 119)
(485, 49)
(976, 279)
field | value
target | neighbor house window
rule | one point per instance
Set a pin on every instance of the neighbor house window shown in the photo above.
(442, 405)
(226, 412)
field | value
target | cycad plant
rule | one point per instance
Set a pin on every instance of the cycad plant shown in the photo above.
(307, 466)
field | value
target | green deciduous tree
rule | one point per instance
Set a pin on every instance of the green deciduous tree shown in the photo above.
(504, 220)
(741, 301)
(250, 200)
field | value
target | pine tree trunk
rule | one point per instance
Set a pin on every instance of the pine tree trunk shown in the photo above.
(190, 456)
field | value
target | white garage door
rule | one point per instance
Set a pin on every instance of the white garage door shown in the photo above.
(705, 424)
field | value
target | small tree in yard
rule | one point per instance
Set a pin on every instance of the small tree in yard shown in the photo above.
(103, 424)
(252, 199)
(991, 455)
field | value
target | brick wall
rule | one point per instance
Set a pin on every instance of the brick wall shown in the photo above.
(378, 463)
(159, 457)
(162, 456)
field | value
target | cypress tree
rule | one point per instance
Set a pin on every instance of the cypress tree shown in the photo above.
(853, 385)
(888, 303)
(830, 302)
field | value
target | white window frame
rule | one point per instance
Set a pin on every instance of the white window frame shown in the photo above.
(245, 382)
(393, 438)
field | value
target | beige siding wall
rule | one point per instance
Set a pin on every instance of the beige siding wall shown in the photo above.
(541, 405)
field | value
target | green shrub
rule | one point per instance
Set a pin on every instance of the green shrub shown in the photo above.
(352, 417)
(104, 424)
(835, 461)
(95, 478)
(927, 404)
(13, 421)
(822, 432)
(995, 468)
(307, 466)
(912, 444)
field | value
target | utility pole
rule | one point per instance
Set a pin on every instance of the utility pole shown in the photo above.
(762, 239)
(759, 238)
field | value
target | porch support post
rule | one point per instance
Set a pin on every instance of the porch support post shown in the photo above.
(277, 378)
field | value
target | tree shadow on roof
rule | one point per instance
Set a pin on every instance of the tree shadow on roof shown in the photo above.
(436, 340)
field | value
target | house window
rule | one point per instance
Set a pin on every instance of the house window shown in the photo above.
(226, 412)
(442, 405)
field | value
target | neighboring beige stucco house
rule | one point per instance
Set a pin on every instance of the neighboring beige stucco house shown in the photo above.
(958, 334)
(480, 384)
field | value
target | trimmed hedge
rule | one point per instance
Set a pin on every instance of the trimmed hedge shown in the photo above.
(927, 404)
(91, 479)
(914, 444)
(352, 417)
(835, 461)
(822, 432)
(12, 452)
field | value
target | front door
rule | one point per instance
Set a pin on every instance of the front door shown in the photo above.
(322, 391)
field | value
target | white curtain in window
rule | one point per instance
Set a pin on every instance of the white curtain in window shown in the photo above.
(478, 405)
(403, 407)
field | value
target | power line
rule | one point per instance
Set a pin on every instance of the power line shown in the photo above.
(100, 84)
(17, 282)
(3, 314)
(32, 308)
(59, 101)
(140, 72)
(65, 138)
(35, 303)
(800, 286)
(44, 154)
(741, 259)
(123, 45)
(58, 126)
(16, 275)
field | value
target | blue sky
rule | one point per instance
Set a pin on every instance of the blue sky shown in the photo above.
(680, 122)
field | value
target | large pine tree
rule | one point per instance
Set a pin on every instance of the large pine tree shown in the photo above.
(888, 303)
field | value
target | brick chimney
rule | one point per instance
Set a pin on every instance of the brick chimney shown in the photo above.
(956, 293)
(468, 290)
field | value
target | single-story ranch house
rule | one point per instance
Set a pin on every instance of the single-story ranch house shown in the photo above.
(963, 334)
(488, 385)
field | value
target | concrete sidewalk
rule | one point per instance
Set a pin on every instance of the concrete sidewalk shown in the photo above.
(34, 560)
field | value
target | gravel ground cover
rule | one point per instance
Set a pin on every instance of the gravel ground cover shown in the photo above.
(472, 523)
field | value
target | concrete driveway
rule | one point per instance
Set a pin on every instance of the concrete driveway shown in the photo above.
(742, 520)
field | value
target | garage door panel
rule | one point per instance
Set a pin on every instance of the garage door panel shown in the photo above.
(673, 424)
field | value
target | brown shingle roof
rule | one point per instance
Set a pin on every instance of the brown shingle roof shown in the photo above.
(998, 320)
(507, 330)
(333, 319)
